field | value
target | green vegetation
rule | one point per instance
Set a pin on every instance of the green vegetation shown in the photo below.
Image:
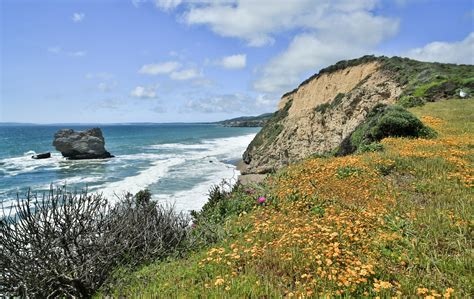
(247, 121)
(383, 121)
(386, 223)
(322, 108)
(66, 245)
(428, 82)
(410, 101)
(423, 81)
(269, 132)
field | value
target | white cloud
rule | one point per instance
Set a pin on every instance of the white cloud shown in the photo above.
(231, 103)
(266, 101)
(339, 36)
(234, 61)
(257, 21)
(249, 20)
(159, 68)
(143, 92)
(326, 31)
(185, 74)
(167, 4)
(78, 17)
(461, 52)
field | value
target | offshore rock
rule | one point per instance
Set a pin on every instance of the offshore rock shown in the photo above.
(41, 156)
(89, 144)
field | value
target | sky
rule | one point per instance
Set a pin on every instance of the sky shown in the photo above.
(120, 61)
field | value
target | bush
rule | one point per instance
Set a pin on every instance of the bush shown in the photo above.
(67, 245)
(394, 121)
(373, 147)
(224, 202)
(322, 108)
(384, 121)
(410, 101)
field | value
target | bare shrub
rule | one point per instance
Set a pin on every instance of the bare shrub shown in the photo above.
(67, 244)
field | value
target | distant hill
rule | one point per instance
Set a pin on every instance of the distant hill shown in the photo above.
(247, 121)
(12, 124)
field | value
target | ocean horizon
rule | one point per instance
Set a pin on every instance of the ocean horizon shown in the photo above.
(177, 162)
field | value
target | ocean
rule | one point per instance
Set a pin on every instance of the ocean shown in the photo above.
(178, 163)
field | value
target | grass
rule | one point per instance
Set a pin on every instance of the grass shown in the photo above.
(396, 222)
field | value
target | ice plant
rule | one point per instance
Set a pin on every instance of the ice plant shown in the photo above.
(261, 199)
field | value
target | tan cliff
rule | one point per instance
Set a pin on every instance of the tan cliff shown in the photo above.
(326, 108)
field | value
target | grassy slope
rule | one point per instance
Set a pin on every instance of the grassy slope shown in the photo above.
(384, 223)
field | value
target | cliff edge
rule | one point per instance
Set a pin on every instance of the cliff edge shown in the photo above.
(327, 108)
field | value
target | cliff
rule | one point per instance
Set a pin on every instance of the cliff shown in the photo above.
(327, 108)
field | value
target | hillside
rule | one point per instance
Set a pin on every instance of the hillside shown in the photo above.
(394, 222)
(364, 198)
(246, 121)
(326, 109)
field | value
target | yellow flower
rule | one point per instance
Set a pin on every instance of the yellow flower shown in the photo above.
(219, 282)
(421, 291)
(448, 292)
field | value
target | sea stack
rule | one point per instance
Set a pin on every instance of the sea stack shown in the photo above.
(89, 144)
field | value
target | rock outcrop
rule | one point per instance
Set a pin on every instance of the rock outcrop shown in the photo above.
(41, 156)
(89, 144)
(325, 109)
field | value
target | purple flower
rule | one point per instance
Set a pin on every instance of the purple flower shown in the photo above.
(261, 199)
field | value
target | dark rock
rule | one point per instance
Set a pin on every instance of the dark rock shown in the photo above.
(41, 156)
(89, 144)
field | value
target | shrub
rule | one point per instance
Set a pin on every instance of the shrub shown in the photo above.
(338, 99)
(224, 202)
(373, 147)
(381, 122)
(322, 107)
(410, 101)
(67, 245)
(143, 197)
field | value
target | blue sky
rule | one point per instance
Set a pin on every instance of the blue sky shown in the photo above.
(176, 60)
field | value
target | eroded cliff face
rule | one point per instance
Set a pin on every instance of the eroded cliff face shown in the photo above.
(319, 114)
